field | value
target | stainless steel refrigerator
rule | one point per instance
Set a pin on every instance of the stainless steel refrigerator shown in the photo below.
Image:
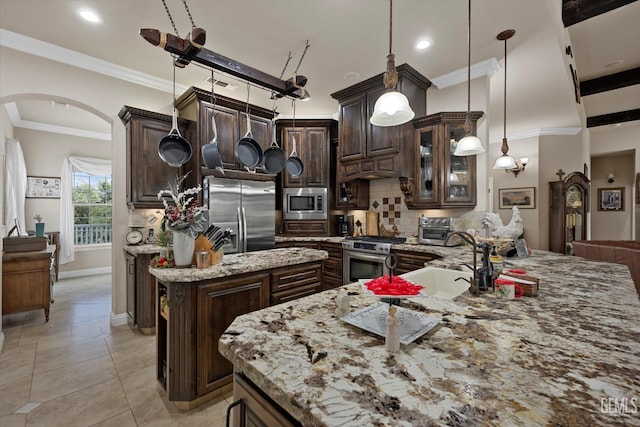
(246, 207)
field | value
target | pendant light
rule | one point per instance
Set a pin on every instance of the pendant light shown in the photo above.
(470, 144)
(392, 108)
(505, 161)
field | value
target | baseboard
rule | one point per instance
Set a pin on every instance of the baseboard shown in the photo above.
(1, 341)
(85, 272)
(118, 319)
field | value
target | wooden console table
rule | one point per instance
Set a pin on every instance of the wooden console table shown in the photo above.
(26, 281)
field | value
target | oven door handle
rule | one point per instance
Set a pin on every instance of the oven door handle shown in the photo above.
(366, 257)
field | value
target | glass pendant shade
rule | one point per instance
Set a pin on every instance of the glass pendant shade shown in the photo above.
(468, 146)
(391, 109)
(504, 162)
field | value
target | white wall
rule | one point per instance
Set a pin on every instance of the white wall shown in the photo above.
(6, 131)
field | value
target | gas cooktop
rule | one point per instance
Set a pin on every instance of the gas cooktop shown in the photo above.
(377, 239)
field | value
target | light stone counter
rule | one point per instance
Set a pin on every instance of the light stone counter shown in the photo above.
(142, 249)
(569, 357)
(248, 262)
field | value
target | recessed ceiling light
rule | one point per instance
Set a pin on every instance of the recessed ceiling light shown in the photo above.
(89, 15)
(351, 76)
(423, 44)
(614, 63)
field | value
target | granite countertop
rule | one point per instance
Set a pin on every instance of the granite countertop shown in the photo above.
(241, 263)
(567, 357)
(147, 248)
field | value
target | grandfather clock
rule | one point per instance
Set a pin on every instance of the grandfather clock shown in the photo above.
(568, 211)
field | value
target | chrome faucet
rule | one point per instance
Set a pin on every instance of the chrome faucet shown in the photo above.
(485, 271)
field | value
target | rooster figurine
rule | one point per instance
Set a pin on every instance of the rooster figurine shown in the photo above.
(513, 230)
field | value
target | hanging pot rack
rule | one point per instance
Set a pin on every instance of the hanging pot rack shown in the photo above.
(191, 48)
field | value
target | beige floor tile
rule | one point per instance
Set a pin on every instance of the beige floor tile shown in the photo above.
(69, 354)
(81, 408)
(135, 357)
(12, 320)
(141, 386)
(43, 333)
(11, 336)
(16, 363)
(155, 412)
(124, 419)
(59, 382)
(14, 395)
(210, 414)
(13, 420)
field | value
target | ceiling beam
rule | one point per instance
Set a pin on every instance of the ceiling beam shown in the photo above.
(574, 11)
(613, 118)
(610, 82)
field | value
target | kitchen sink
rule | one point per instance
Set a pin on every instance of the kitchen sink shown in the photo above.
(440, 282)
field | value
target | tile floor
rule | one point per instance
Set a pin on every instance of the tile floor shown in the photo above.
(77, 370)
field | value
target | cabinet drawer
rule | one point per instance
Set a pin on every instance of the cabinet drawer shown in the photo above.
(286, 278)
(331, 281)
(332, 266)
(409, 261)
(306, 228)
(295, 293)
(334, 249)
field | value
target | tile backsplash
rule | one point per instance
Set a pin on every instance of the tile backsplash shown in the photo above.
(386, 198)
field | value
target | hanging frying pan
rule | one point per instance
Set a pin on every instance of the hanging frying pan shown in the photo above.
(274, 157)
(173, 149)
(294, 165)
(211, 152)
(248, 150)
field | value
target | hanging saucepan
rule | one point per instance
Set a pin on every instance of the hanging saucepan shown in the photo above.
(173, 149)
(211, 152)
(274, 157)
(248, 150)
(294, 164)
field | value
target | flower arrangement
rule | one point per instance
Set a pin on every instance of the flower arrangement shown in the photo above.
(182, 210)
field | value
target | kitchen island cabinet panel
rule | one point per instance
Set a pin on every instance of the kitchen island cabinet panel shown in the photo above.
(256, 409)
(410, 261)
(218, 304)
(288, 283)
(332, 266)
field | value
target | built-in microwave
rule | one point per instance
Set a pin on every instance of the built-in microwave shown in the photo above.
(304, 203)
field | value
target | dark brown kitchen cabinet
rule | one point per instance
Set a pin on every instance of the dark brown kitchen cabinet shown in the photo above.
(219, 303)
(367, 151)
(305, 228)
(352, 194)
(568, 210)
(440, 179)
(146, 173)
(141, 293)
(289, 283)
(315, 145)
(410, 261)
(231, 123)
(332, 266)
(255, 408)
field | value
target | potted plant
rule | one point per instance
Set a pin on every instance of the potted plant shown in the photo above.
(163, 239)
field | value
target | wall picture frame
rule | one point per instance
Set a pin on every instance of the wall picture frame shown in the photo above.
(43, 187)
(523, 198)
(611, 199)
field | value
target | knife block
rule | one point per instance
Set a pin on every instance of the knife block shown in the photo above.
(215, 257)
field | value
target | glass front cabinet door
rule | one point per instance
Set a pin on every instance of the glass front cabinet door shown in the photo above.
(441, 179)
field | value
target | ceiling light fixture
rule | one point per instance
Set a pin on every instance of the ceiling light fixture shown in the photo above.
(505, 161)
(423, 44)
(469, 145)
(89, 15)
(392, 108)
(519, 166)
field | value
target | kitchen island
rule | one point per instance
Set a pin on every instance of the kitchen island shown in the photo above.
(569, 357)
(195, 306)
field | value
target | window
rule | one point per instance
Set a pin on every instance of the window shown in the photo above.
(91, 196)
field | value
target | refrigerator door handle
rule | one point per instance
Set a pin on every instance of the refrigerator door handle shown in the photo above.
(244, 230)
(242, 236)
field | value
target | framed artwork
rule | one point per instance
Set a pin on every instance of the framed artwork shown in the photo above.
(523, 198)
(43, 187)
(611, 199)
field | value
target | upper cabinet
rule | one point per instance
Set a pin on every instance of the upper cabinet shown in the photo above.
(440, 179)
(315, 146)
(367, 151)
(231, 123)
(146, 173)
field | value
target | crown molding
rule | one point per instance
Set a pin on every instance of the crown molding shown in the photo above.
(488, 68)
(67, 56)
(17, 122)
(535, 133)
